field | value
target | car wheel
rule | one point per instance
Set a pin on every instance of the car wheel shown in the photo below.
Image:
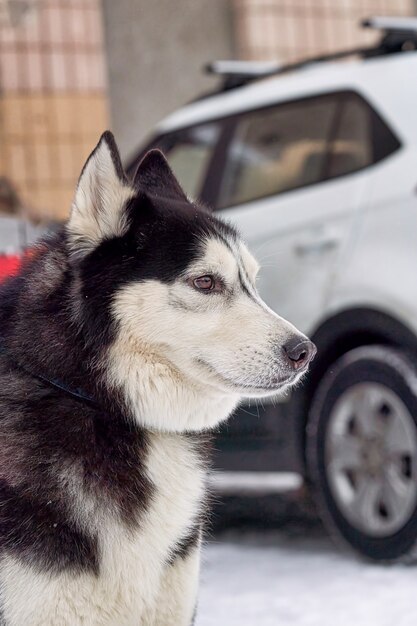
(362, 451)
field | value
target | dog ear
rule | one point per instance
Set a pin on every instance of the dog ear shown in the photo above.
(100, 198)
(155, 179)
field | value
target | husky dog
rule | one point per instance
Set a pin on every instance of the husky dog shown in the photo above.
(125, 337)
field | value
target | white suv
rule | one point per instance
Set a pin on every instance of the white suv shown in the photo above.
(316, 164)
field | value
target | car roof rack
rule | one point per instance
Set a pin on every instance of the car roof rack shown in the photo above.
(399, 35)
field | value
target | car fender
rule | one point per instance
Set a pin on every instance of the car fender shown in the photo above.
(342, 331)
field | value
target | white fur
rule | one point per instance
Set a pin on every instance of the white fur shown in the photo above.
(135, 584)
(176, 601)
(99, 199)
(160, 395)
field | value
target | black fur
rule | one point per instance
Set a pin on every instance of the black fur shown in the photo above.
(55, 319)
(186, 545)
(43, 432)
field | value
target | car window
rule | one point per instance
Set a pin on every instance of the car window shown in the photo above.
(278, 149)
(189, 153)
(352, 147)
(361, 138)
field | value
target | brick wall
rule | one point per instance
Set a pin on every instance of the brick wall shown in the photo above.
(287, 30)
(52, 99)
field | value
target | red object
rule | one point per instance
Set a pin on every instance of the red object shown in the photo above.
(9, 265)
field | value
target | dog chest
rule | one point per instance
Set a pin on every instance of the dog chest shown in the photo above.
(133, 561)
(177, 474)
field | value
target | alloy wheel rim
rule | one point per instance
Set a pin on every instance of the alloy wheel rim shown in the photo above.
(371, 459)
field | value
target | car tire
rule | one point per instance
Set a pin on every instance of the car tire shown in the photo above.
(362, 452)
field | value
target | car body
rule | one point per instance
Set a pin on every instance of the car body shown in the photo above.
(317, 168)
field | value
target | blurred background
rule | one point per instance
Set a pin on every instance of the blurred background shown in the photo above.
(70, 69)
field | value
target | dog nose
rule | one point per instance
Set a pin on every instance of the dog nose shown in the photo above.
(299, 353)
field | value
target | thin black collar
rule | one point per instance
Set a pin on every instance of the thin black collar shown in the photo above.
(77, 393)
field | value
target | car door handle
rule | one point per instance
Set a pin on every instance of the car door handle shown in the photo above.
(317, 246)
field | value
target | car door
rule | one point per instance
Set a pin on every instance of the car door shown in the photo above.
(295, 177)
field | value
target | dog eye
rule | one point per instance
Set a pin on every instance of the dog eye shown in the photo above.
(204, 283)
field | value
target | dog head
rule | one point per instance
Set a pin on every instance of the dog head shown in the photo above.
(174, 287)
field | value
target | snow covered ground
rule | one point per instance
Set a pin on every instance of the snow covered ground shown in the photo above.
(277, 578)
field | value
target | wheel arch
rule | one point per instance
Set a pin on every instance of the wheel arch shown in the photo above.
(337, 335)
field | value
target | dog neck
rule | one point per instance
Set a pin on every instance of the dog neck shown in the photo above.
(159, 397)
